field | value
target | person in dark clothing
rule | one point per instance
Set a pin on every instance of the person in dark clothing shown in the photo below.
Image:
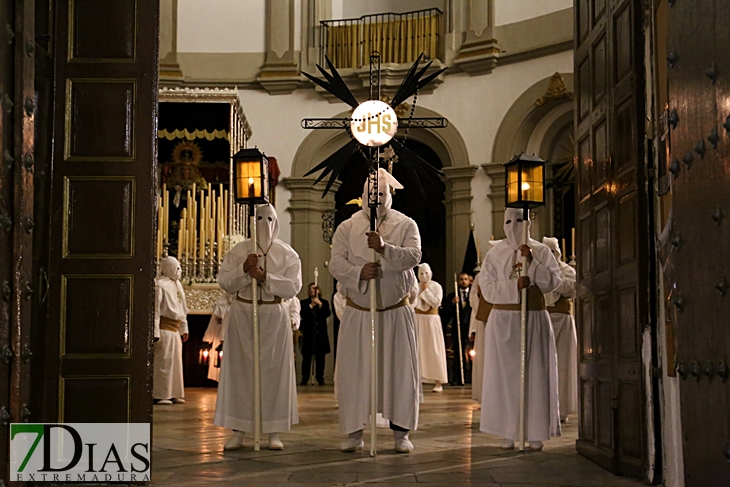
(448, 305)
(315, 340)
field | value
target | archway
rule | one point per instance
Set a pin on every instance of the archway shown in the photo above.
(544, 129)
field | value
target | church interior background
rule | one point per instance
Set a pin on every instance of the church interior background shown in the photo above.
(116, 113)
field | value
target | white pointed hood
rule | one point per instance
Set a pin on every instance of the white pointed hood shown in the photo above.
(170, 268)
(267, 227)
(552, 244)
(424, 273)
(513, 227)
(386, 181)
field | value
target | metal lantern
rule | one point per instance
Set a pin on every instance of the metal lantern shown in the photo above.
(204, 354)
(251, 177)
(524, 182)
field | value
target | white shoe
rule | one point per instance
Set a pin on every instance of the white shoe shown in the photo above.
(507, 445)
(274, 442)
(403, 445)
(235, 443)
(178, 400)
(351, 444)
(437, 388)
(563, 419)
(163, 402)
(536, 445)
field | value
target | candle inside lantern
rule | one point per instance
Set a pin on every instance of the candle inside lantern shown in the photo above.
(251, 190)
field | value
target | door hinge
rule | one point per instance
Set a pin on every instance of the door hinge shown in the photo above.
(4, 416)
(7, 354)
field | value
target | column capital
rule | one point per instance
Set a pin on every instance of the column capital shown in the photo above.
(460, 172)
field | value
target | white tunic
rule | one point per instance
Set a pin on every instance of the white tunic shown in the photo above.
(235, 405)
(214, 333)
(431, 346)
(399, 382)
(170, 302)
(501, 379)
(566, 343)
(476, 327)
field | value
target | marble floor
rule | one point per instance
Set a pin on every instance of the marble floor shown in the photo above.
(449, 450)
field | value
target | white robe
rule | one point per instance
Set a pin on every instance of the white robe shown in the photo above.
(476, 327)
(399, 386)
(431, 346)
(566, 342)
(501, 379)
(215, 332)
(235, 404)
(170, 302)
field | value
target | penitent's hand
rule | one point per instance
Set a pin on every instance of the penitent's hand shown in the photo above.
(251, 261)
(257, 273)
(424, 286)
(185, 337)
(523, 283)
(369, 271)
(375, 241)
(526, 252)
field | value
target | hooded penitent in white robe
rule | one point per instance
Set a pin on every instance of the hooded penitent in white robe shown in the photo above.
(431, 345)
(215, 332)
(501, 379)
(399, 383)
(560, 307)
(235, 406)
(170, 308)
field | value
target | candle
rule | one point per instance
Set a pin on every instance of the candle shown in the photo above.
(201, 233)
(572, 241)
(165, 213)
(479, 253)
(562, 256)
(159, 228)
(251, 189)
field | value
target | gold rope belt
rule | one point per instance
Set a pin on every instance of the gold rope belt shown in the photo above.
(535, 302)
(403, 302)
(429, 311)
(169, 324)
(562, 306)
(276, 300)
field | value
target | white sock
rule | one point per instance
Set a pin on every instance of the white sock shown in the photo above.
(357, 435)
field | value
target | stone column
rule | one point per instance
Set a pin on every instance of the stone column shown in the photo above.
(458, 215)
(306, 206)
(495, 171)
(479, 52)
(169, 69)
(280, 73)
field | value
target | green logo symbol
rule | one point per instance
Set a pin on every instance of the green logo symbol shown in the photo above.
(38, 429)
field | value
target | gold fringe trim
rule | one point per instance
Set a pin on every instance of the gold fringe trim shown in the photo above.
(196, 134)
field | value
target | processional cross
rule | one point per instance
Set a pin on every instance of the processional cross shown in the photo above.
(372, 125)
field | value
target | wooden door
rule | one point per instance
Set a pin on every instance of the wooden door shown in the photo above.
(612, 236)
(699, 100)
(102, 211)
(17, 111)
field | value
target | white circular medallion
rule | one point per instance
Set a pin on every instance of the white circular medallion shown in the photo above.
(374, 123)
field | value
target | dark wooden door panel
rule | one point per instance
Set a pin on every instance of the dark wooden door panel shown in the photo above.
(613, 254)
(102, 263)
(699, 38)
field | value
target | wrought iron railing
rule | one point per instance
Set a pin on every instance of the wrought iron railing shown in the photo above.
(399, 38)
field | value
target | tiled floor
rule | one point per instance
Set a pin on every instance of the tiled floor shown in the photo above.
(449, 450)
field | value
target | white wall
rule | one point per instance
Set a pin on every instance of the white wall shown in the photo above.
(510, 11)
(221, 26)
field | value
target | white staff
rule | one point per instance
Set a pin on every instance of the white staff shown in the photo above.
(523, 336)
(458, 327)
(256, 350)
(373, 193)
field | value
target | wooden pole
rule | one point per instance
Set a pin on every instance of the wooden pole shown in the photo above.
(256, 343)
(523, 338)
(458, 327)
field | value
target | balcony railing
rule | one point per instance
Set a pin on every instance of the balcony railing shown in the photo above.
(399, 38)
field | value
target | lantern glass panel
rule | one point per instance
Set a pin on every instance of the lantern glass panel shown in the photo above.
(532, 185)
(525, 182)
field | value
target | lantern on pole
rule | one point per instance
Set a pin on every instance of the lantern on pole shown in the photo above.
(251, 187)
(525, 189)
(251, 177)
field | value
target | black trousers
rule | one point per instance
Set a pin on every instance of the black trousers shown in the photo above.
(318, 367)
